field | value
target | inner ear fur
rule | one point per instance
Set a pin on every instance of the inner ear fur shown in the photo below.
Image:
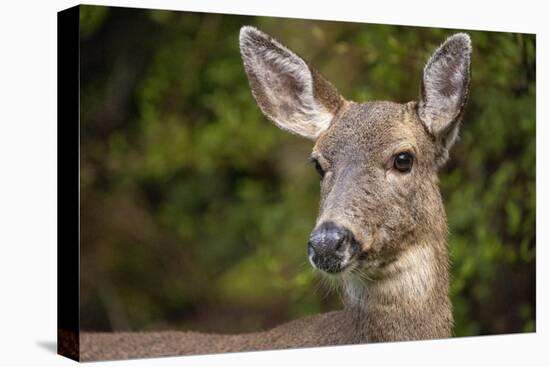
(444, 91)
(289, 92)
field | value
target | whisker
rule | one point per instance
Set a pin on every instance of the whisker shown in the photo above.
(361, 273)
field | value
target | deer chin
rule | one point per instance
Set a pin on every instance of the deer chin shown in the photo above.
(337, 268)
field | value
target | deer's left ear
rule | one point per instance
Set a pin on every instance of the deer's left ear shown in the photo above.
(444, 91)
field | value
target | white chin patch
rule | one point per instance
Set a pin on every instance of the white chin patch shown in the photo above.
(310, 258)
(347, 257)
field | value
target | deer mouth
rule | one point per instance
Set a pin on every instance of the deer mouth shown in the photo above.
(332, 264)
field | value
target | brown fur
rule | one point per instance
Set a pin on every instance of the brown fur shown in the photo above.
(397, 287)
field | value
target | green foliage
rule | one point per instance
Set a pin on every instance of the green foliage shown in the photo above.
(195, 210)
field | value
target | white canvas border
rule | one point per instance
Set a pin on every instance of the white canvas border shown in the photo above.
(28, 186)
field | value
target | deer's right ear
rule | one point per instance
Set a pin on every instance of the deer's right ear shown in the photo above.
(289, 92)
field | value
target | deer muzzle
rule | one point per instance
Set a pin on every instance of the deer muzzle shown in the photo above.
(332, 248)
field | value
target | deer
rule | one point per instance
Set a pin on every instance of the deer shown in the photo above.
(381, 230)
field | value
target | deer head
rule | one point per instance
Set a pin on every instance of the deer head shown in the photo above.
(378, 161)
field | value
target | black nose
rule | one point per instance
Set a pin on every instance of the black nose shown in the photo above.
(331, 247)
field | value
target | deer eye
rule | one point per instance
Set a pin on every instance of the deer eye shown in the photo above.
(403, 162)
(318, 167)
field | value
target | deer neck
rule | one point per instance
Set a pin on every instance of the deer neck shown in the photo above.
(407, 299)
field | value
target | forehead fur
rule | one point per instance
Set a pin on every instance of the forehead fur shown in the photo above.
(371, 128)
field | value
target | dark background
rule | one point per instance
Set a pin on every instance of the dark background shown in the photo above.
(195, 211)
